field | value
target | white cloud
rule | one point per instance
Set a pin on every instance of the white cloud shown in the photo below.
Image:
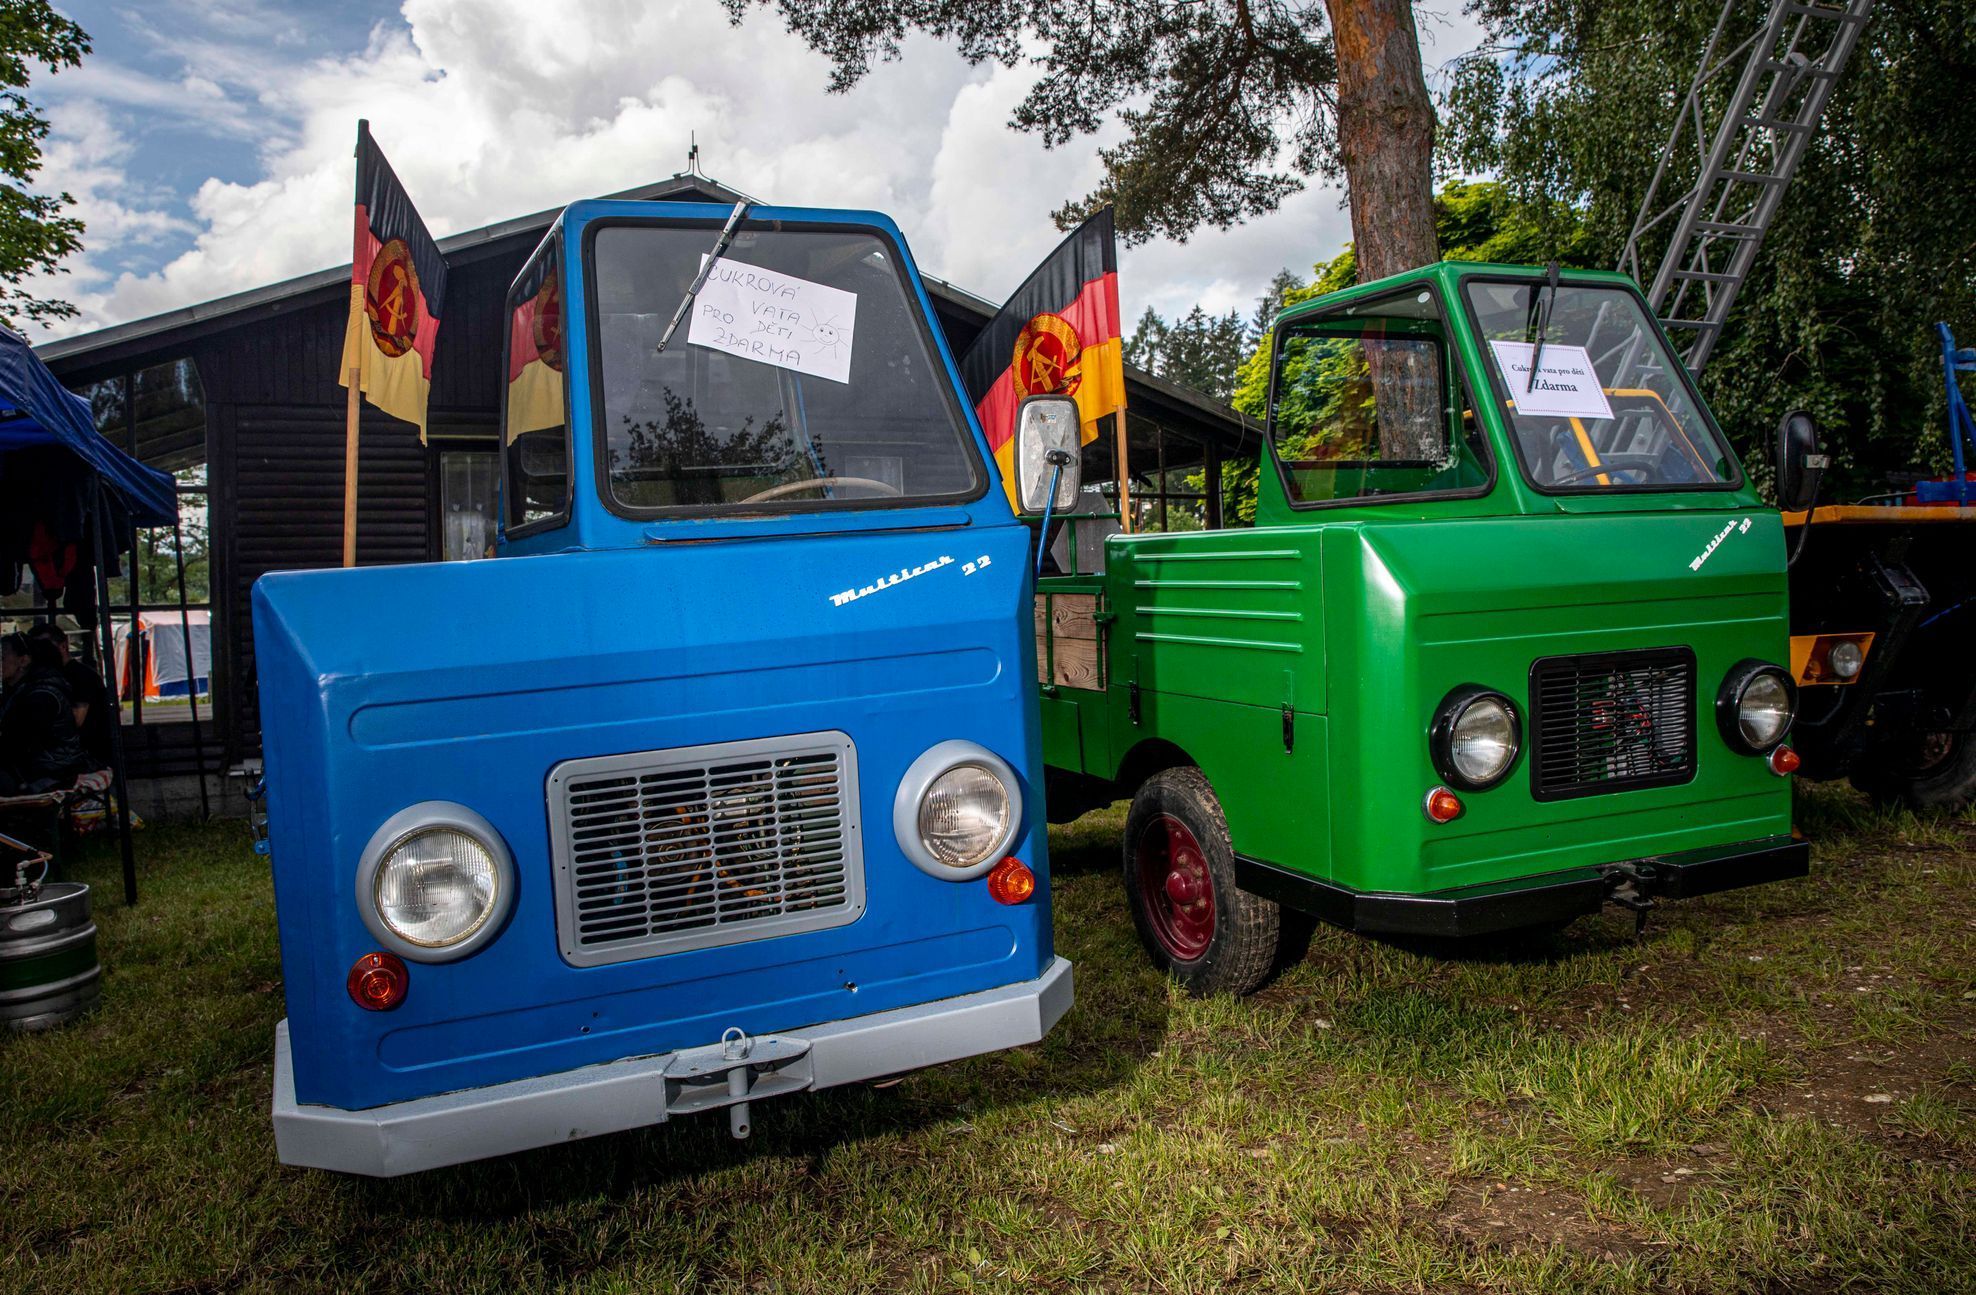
(494, 108)
(87, 157)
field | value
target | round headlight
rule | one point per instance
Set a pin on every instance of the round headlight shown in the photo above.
(957, 811)
(1484, 741)
(436, 887)
(964, 814)
(1763, 712)
(435, 882)
(1475, 738)
(1845, 659)
(1754, 708)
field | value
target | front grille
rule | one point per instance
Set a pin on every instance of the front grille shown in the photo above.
(664, 851)
(1612, 721)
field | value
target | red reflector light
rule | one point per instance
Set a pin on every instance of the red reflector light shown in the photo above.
(1442, 805)
(1011, 882)
(378, 982)
(1784, 760)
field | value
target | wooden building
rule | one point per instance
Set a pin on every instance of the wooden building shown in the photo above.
(239, 397)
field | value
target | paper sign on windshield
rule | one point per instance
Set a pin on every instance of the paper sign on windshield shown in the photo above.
(1567, 386)
(779, 319)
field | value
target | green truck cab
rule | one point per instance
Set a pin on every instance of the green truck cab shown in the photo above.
(1507, 641)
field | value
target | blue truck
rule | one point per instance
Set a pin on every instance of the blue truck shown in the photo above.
(757, 808)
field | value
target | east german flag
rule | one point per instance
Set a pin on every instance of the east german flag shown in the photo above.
(397, 292)
(1058, 334)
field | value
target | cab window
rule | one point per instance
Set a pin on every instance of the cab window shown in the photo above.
(1365, 404)
(535, 401)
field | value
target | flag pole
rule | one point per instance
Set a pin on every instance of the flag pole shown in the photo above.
(1124, 474)
(353, 407)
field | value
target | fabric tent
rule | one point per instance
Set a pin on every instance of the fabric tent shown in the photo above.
(69, 499)
(40, 411)
(161, 637)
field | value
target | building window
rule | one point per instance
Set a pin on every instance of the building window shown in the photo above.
(469, 481)
(1175, 479)
(158, 415)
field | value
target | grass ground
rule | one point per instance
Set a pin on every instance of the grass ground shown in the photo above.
(1775, 1091)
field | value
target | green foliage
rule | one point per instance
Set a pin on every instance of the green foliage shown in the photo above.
(1196, 350)
(1226, 104)
(1571, 104)
(34, 234)
(157, 558)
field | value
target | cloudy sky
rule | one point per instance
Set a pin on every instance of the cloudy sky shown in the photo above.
(207, 142)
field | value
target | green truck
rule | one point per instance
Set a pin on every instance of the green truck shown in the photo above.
(1506, 643)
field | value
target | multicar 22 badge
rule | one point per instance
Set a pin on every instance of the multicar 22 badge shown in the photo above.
(724, 827)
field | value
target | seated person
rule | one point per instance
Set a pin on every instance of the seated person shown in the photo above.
(40, 748)
(93, 712)
(13, 665)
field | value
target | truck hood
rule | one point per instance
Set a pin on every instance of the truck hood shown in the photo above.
(1455, 603)
(470, 682)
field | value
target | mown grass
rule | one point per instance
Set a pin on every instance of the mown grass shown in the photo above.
(1774, 1091)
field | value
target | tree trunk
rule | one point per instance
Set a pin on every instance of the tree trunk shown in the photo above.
(1385, 135)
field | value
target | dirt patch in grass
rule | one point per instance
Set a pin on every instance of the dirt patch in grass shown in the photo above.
(1668, 1182)
(1865, 1088)
(1510, 1217)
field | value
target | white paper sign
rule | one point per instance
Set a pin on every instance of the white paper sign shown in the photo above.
(776, 319)
(1567, 386)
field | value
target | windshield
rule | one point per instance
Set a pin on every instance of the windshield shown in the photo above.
(802, 377)
(1606, 407)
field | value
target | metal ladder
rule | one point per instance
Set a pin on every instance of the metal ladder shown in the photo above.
(1789, 66)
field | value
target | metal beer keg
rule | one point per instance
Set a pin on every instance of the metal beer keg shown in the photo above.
(48, 969)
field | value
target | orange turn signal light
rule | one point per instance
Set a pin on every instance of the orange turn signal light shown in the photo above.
(1783, 760)
(1011, 881)
(1442, 805)
(378, 982)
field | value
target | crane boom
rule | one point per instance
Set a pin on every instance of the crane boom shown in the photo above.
(1785, 72)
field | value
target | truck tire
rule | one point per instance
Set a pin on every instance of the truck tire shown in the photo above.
(1940, 775)
(1199, 926)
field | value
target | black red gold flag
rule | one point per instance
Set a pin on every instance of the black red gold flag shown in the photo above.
(1057, 334)
(397, 292)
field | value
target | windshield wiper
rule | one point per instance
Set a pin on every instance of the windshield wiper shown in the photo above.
(706, 268)
(1540, 306)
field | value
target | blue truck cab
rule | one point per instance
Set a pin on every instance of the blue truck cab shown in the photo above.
(724, 781)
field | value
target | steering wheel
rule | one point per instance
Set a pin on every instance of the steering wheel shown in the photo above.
(818, 483)
(1641, 463)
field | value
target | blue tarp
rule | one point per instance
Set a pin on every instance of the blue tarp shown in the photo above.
(41, 412)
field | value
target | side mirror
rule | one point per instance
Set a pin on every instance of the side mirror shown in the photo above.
(1046, 449)
(1799, 462)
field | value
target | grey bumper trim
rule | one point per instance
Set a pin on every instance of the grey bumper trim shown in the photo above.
(452, 1128)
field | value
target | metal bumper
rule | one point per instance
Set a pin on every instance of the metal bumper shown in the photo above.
(1530, 901)
(452, 1128)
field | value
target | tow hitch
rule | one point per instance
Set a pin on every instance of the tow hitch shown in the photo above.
(734, 1072)
(1630, 885)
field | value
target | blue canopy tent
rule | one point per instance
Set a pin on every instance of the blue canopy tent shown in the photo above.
(40, 411)
(58, 471)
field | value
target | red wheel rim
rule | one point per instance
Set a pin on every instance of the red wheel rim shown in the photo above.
(1176, 887)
